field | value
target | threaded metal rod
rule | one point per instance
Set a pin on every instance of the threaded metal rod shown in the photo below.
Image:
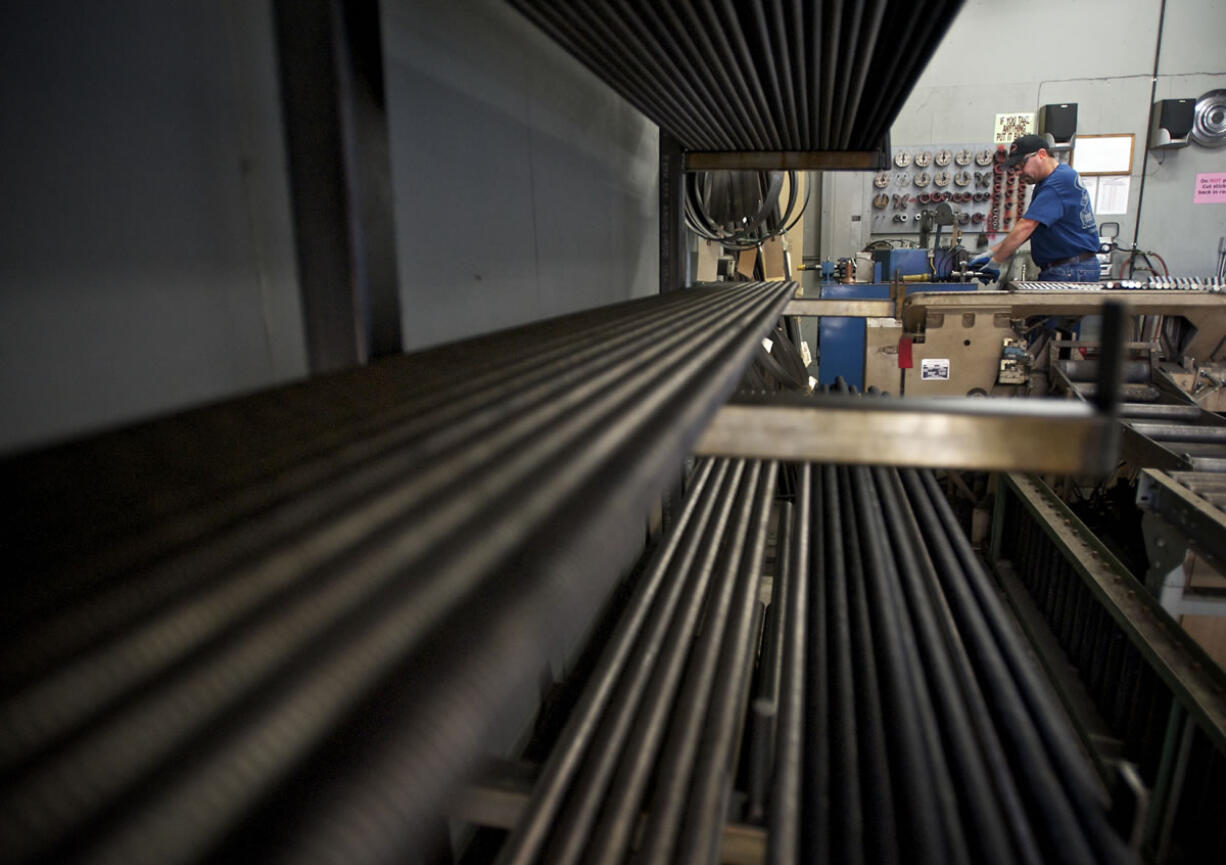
(782, 75)
(625, 649)
(264, 651)
(786, 790)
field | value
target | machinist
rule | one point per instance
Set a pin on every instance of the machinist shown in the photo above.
(1059, 223)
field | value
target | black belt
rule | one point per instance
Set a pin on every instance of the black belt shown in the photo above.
(1075, 259)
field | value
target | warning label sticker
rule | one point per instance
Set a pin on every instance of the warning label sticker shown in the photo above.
(1010, 126)
(934, 368)
(1210, 188)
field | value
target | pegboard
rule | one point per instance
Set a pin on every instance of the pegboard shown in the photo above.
(920, 177)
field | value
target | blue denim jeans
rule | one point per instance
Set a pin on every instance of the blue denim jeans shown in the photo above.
(1082, 271)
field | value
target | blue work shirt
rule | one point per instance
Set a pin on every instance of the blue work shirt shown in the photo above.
(1061, 206)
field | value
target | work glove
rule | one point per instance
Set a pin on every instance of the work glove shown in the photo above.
(989, 271)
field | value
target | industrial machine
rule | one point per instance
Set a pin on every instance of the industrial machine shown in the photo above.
(1172, 456)
(951, 340)
(864, 351)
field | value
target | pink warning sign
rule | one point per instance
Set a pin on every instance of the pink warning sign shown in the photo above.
(1210, 188)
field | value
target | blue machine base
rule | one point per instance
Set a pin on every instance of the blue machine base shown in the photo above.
(841, 340)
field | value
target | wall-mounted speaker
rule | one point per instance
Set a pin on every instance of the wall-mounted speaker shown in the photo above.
(1171, 123)
(1060, 122)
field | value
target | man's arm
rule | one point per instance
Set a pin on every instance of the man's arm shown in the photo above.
(1019, 234)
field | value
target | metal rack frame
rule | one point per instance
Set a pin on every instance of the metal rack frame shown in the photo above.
(1136, 684)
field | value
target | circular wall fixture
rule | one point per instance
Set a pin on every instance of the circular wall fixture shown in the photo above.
(1209, 121)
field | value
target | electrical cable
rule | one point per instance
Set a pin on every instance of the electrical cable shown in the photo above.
(1136, 228)
(741, 229)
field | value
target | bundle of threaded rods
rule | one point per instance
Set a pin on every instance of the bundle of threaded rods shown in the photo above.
(882, 708)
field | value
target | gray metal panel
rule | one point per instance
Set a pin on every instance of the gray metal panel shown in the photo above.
(595, 223)
(464, 209)
(144, 242)
(524, 187)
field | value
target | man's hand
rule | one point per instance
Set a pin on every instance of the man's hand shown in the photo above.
(989, 271)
